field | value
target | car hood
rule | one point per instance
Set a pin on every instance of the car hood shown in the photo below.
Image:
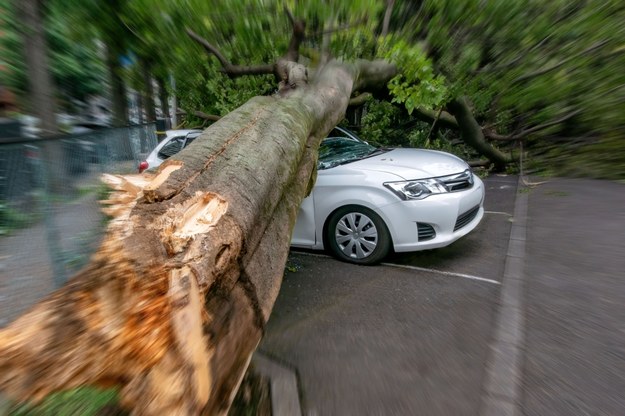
(412, 163)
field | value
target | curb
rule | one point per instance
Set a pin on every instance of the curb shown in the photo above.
(502, 387)
(282, 384)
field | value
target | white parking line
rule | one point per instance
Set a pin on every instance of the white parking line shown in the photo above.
(421, 269)
(497, 212)
(424, 269)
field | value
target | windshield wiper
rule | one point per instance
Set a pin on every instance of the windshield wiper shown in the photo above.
(376, 152)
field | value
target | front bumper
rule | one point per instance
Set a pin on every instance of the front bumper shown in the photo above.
(442, 219)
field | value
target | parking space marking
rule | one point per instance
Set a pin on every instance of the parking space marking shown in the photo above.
(424, 269)
(421, 269)
(498, 212)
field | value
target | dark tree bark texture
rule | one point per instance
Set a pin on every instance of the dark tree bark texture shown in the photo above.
(163, 96)
(148, 91)
(471, 132)
(118, 87)
(41, 92)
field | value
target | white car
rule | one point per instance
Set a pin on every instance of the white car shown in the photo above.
(174, 141)
(368, 200)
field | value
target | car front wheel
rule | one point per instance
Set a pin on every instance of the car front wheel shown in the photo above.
(357, 235)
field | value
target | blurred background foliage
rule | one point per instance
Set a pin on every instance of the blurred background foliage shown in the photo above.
(547, 74)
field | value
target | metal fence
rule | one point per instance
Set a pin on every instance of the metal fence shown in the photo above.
(50, 218)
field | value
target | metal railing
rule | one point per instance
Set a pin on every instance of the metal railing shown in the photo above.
(50, 218)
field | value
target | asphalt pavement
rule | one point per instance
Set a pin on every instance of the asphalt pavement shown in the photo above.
(524, 316)
(575, 274)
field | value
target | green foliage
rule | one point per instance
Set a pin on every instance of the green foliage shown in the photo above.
(358, 42)
(387, 125)
(381, 124)
(417, 84)
(83, 401)
(10, 47)
(524, 63)
(12, 219)
(76, 68)
(521, 63)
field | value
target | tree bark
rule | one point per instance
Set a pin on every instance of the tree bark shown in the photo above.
(444, 118)
(118, 87)
(148, 91)
(203, 115)
(163, 97)
(174, 302)
(472, 134)
(387, 17)
(41, 100)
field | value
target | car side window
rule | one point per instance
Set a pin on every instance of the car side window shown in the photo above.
(171, 148)
(190, 138)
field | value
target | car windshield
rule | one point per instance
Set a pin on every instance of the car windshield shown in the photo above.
(335, 151)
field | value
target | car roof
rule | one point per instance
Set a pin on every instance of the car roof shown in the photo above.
(182, 132)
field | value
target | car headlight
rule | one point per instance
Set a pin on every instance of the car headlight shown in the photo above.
(417, 189)
(422, 188)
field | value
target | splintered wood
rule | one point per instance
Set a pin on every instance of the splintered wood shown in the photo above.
(196, 216)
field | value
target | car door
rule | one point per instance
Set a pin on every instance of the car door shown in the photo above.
(304, 234)
(304, 230)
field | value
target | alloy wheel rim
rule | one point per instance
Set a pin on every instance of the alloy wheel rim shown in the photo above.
(356, 235)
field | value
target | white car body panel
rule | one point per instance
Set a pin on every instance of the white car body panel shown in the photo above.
(362, 183)
(153, 160)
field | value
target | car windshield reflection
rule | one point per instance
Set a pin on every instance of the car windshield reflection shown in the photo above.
(335, 151)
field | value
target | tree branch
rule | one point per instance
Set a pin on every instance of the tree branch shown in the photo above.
(289, 14)
(444, 119)
(209, 48)
(513, 61)
(337, 28)
(482, 163)
(373, 74)
(228, 68)
(519, 136)
(472, 134)
(205, 116)
(449, 121)
(438, 116)
(553, 67)
(360, 99)
(387, 17)
(298, 36)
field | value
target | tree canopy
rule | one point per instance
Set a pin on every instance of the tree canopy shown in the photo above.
(545, 73)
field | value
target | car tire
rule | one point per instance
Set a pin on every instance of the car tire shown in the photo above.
(356, 234)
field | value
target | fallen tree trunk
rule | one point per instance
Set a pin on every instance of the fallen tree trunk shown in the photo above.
(174, 302)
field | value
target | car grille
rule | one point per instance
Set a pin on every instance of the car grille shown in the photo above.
(426, 231)
(458, 181)
(467, 217)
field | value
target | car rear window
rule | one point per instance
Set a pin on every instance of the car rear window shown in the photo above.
(171, 148)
